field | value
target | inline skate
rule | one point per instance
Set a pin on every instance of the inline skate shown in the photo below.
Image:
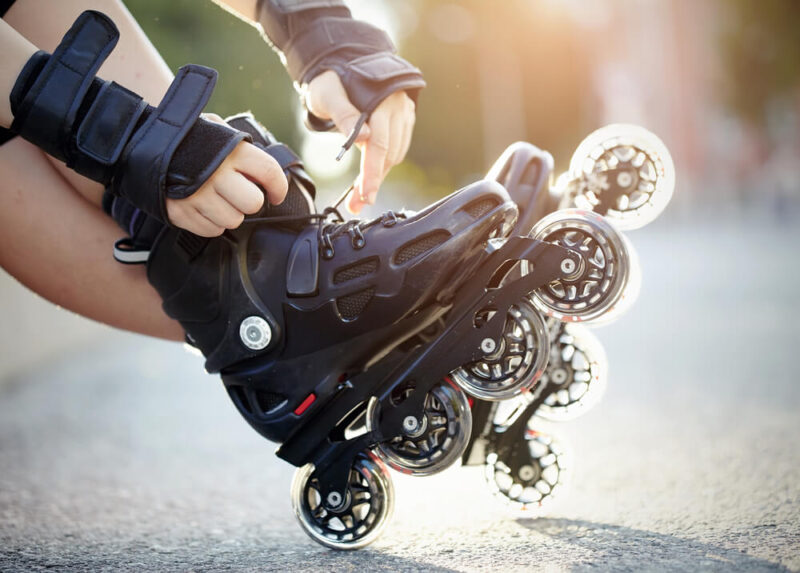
(625, 174)
(347, 342)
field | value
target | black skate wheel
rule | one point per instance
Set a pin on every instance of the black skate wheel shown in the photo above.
(365, 507)
(432, 442)
(514, 364)
(599, 282)
(576, 374)
(623, 172)
(531, 476)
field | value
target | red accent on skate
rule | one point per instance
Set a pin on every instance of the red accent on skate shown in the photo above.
(305, 404)
(470, 401)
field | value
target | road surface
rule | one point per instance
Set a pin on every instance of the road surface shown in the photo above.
(128, 457)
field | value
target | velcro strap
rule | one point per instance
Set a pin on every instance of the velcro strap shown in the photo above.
(204, 148)
(327, 35)
(149, 153)
(46, 115)
(106, 129)
(368, 80)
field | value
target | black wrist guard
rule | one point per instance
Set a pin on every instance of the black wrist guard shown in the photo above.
(313, 36)
(108, 133)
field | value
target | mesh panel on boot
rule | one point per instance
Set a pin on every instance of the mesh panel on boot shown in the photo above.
(480, 207)
(351, 305)
(420, 246)
(356, 270)
(269, 400)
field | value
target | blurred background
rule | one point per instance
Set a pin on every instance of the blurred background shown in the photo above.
(717, 80)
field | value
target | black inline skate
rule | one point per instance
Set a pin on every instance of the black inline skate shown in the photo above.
(352, 343)
(625, 174)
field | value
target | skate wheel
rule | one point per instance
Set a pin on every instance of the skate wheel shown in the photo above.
(598, 283)
(531, 476)
(366, 507)
(576, 374)
(438, 439)
(630, 293)
(514, 364)
(623, 172)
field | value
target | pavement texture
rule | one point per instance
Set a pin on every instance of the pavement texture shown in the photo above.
(126, 456)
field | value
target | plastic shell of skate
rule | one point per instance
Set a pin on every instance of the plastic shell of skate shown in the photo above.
(623, 172)
(597, 285)
(354, 520)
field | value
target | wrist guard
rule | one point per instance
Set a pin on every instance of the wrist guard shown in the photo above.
(313, 36)
(142, 229)
(107, 132)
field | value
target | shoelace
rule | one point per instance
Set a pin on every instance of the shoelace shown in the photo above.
(331, 224)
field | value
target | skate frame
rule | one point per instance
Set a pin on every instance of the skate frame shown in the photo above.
(321, 439)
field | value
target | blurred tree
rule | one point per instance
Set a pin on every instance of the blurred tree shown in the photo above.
(462, 47)
(547, 57)
(250, 75)
(761, 55)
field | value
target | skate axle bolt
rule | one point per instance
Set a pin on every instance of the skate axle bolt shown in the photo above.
(255, 333)
(526, 473)
(410, 424)
(568, 266)
(624, 179)
(488, 345)
(334, 499)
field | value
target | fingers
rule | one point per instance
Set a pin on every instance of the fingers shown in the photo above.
(259, 167)
(327, 99)
(391, 125)
(408, 128)
(374, 155)
(231, 193)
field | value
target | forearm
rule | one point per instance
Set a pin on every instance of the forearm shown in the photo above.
(16, 52)
(244, 9)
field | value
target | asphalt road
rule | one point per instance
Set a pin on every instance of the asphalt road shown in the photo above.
(128, 457)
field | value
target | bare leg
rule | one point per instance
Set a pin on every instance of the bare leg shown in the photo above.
(53, 237)
(59, 245)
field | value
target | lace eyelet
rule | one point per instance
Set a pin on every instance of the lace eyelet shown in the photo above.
(389, 219)
(357, 238)
(327, 248)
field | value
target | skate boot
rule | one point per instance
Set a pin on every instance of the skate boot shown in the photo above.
(332, 337)
(625, 174)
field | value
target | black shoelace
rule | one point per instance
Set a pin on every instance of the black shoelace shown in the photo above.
(331, 224)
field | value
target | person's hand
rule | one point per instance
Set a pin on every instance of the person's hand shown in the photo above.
(383, 141)
(231, 192)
